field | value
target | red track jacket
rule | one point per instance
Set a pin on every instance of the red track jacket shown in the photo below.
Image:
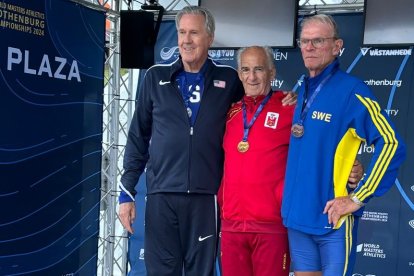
(251, 191)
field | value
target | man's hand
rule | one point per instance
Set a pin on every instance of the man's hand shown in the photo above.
(338, 207)
(290, 99)
(356, 174)
(127, 215)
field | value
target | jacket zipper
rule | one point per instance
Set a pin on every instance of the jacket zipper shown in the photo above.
(189, 158)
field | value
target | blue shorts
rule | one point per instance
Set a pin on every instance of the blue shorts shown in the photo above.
(332, 253)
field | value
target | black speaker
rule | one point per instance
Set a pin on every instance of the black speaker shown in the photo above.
(137, 39)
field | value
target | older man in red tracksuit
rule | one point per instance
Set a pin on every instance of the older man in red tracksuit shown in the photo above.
(254, 240)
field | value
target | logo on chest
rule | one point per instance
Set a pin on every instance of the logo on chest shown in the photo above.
(271, 120)
(322, 116)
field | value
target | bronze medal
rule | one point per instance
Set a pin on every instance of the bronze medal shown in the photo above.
(297, 130)
(243, 146)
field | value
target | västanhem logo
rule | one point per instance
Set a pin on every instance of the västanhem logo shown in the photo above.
(389, 52)
(167, 53)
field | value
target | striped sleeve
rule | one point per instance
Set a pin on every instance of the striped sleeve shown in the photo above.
(388, 155)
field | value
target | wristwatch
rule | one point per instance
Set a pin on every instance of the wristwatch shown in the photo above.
(356, 200)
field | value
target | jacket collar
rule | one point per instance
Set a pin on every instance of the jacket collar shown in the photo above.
(178, 66)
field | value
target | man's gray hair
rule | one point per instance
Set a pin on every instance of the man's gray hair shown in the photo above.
(209, 19)
(324, 19)
(268, 51)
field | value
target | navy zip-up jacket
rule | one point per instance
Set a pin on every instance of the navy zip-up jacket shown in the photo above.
(178, 158)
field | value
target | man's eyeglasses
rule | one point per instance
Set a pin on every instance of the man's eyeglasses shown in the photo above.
(316, 42)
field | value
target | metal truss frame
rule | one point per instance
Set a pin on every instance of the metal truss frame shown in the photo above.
(119, 95)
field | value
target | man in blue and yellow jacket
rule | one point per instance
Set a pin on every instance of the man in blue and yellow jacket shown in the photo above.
(334, 114)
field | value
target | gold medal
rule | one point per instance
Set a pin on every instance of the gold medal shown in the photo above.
(243, 146)
(297, 130)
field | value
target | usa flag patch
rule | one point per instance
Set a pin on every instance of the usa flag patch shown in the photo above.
(220, 83)
(271, 120)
